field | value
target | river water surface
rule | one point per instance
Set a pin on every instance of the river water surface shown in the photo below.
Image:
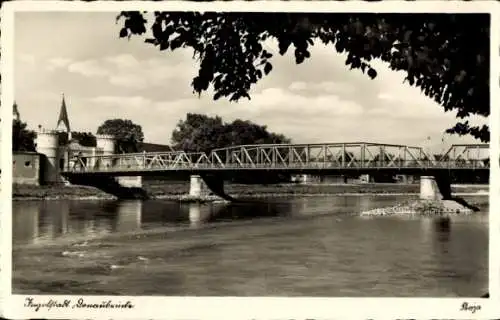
(310, 246)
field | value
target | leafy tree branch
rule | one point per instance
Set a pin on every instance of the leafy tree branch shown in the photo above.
(445, 55)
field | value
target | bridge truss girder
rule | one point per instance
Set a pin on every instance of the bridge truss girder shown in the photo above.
(467, 154)
(291, 156)
(341, 155)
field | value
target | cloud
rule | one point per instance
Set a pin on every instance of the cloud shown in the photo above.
(88, 68)
(123, 61)
(277, 100)
(125, 70)
(299, 116)
(128, 81)
(297, 86)
(336, 87)
(156, 70)
(386, 96)
(121, 102)
(322, 87)
(57, 63)
(409, 103)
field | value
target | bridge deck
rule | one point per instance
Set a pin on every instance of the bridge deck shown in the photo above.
(293, 158)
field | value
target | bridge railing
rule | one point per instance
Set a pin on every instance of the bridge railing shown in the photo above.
(130, 163)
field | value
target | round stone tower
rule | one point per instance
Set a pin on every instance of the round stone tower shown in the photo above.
(47, 143)
(106, 143)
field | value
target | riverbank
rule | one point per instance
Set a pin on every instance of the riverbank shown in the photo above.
(179, 191)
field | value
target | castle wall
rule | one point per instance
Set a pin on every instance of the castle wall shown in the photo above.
(26, 168)
(52, 159)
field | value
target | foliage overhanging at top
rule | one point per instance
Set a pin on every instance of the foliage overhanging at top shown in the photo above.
(445, 55)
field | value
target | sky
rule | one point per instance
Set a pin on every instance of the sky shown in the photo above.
(103, 77)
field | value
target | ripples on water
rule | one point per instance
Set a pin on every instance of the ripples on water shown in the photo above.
(315, 246)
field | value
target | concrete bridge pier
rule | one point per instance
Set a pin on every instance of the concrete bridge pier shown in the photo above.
(439, 188)
(429, 189)
(305, 179)
(197, 187)
(130, 182)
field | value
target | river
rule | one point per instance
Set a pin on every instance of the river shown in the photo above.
(303, 246)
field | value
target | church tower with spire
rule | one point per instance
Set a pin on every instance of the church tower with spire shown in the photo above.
(63, 120)
(58, 157)
(47, 143)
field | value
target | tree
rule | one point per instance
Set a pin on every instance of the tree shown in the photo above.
(22, 138)
(127, 134)
(246, 132)
(445, 55)
(201, 133)
(86, 139)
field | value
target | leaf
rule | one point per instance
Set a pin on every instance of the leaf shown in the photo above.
(267, 68)
(123, 33)
(372, 73)
(176, 43)
(163, 45)
(283, 45)
(299, 59)
(259, 74)
(266, 54)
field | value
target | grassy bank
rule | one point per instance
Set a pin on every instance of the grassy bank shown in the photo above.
(158, 189)
(179, 190)
(28, 192)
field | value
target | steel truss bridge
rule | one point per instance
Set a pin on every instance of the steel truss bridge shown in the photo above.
(322, 158)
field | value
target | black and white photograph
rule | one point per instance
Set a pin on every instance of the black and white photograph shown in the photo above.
(232, 153)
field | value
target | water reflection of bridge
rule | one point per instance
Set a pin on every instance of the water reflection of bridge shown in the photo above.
(44, 221)
(49, 220)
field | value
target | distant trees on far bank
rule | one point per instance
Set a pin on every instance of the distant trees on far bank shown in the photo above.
(201, 133)
(86, 139)
(128, 134)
